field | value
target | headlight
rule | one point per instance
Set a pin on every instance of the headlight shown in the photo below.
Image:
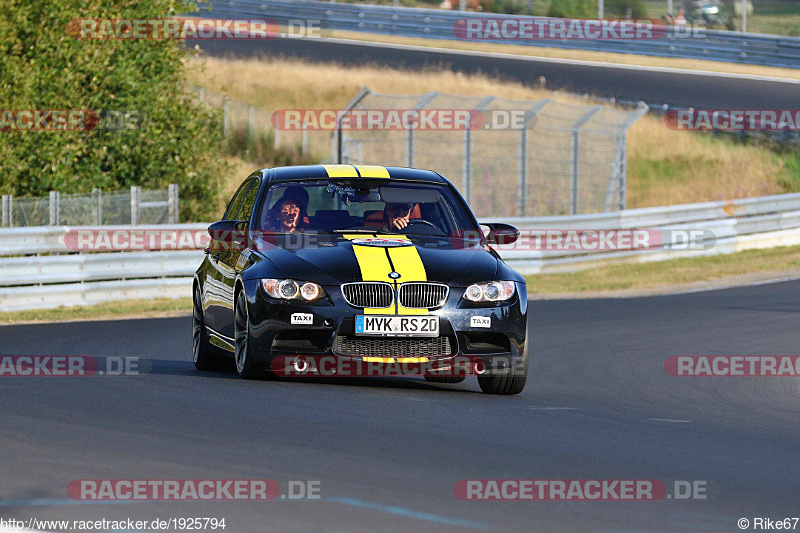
(493, 291)
(289, 289)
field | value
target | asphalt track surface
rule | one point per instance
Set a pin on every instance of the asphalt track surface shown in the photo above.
(654, 86)
(388, 451)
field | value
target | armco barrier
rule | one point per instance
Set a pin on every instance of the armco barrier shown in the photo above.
(70, 294)
(50, 239)
(30, 281)
(736, 47)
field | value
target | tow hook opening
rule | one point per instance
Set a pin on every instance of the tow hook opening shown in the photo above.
(300, 365)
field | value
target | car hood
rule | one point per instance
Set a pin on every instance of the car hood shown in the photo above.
(340, 260)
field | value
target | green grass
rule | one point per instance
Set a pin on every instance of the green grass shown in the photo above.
(780, 17)
(670, 273)
(110, 310)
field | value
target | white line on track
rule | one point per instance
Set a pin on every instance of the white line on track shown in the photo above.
(669, 420)
(546, 408)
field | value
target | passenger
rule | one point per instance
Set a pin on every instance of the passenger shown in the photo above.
(287, 216)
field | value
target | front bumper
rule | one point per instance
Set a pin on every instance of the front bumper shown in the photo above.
(332, 326)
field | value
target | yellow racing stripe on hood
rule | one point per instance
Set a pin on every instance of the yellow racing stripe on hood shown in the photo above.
(375, 265)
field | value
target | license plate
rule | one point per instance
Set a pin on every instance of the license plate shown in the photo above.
(417, 326)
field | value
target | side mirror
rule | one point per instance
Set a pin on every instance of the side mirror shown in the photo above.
(501, 234)
(228, 233)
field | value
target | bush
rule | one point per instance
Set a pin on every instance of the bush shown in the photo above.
(576, 9)
(511, 7)
(619, 9)
(46, 68)
(587, 9)
(260, 149)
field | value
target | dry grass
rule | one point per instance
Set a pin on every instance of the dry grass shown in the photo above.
(739, 267)
(670, 167)
(664, 166)
(280, 83)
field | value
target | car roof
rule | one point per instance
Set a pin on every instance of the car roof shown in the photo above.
(294, 173)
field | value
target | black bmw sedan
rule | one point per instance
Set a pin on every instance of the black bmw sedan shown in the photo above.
(358, 263)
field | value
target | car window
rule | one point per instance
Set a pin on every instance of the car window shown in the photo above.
(236, 202)
(327, 206)
(248, 201)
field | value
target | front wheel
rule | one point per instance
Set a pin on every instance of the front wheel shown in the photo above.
(245, 364)
(511, 382)
(202, 356)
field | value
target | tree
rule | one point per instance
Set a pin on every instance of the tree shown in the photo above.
(46, 68)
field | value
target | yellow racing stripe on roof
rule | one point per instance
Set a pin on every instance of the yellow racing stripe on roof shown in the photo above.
(341, 171)
(372, 171)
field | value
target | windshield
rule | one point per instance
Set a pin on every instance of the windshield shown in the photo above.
(368, 206)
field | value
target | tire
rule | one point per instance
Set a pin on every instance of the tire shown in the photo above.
(511, 382)
(444, 379)
(246, 366)
(203, 357)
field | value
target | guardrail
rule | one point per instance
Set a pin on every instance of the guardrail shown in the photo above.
(737, 47)
(29, 280)
(32, 281)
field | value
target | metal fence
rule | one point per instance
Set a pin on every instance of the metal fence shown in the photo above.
(737, 47)
(98, 208)
(564, 160)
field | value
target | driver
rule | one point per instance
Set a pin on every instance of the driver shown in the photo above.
(396, 216)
